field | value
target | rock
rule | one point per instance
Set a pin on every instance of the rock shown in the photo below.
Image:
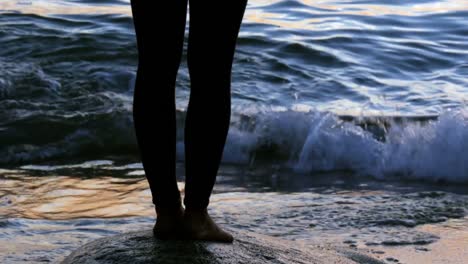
(249, 248)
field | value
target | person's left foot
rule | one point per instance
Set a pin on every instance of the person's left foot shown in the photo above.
(169, 223)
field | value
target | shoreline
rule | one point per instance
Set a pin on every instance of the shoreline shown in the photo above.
(65, 212)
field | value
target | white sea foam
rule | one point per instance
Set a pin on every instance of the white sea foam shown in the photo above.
(319, 141)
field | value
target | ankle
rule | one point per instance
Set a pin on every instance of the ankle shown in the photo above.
(196, 211)
(169, 210)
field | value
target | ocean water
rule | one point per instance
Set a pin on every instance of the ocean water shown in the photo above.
(69, 67)
(349, 118)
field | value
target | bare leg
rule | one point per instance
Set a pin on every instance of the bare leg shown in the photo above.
(159, 28)
(213, 32)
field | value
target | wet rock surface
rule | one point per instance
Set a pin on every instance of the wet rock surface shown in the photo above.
(248, 247)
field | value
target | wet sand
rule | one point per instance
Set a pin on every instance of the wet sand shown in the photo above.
(45, 217)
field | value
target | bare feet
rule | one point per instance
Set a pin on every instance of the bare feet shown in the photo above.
(172, 223)
(169, 223)
(199, 226)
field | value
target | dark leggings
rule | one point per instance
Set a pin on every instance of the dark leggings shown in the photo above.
(213, 31)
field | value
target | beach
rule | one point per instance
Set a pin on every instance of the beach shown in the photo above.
(47, 216)
(349, 126)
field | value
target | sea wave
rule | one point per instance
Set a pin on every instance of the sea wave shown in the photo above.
(430, 148)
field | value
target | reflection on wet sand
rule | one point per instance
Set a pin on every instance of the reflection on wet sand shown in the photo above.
(48, 216)
(65, 197)
(452, 247)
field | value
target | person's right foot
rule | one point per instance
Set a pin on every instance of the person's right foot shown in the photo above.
(169, 223)
(199, 226)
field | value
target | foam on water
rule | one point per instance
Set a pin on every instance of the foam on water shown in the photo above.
(318, 141)
(305, 142)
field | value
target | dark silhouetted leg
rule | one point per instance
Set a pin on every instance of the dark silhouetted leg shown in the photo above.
(213, 31)
(159, 28)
